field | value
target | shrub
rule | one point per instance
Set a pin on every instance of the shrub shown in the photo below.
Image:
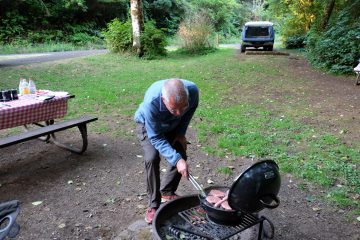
(12, 26)
(195, 33)
(81, 38)
(338, 48)
(153, 41)
(295, 42)
(118, 36)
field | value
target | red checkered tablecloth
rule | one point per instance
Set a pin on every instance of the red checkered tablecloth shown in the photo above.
(29, 109)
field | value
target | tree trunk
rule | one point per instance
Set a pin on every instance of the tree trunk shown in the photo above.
(327, 13)
(137, 21)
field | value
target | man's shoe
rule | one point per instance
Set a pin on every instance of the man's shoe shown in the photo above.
(149, 215)
(166, 198)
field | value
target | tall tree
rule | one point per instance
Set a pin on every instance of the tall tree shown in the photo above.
(327, 13)
(137, 20)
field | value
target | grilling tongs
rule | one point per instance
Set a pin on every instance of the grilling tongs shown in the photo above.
(196, 185)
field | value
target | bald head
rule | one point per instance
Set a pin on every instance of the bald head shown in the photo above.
(175, 96)
(174, 88)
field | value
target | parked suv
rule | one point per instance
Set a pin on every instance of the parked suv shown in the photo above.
(258, 34)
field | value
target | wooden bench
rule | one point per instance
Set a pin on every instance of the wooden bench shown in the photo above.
(357, 72)
(49, 131)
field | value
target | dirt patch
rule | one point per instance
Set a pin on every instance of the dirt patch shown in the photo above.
(102, 194)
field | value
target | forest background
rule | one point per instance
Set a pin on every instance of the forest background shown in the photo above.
(329, 30)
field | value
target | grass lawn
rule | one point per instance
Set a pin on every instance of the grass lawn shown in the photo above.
(239, 113)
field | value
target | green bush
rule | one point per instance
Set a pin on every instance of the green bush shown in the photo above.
(295, 42)
(12, 26)
(338, 48)
(81, 38)
(153, 40)
(118, 36)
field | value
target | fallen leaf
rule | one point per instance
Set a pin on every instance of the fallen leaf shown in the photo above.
(209, 181)
(140, 206)
(62, 225)
(139, 156)
(36, 203)
(316, 209)
(231, 167)
(358, 218)
(310, 198)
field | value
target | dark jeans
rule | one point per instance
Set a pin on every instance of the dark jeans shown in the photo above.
(171, 180)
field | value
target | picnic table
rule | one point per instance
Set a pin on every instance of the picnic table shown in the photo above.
(33, 109)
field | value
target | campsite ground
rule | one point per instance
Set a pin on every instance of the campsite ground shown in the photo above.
(101, 193)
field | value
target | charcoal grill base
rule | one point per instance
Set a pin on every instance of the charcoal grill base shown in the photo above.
(184, 216)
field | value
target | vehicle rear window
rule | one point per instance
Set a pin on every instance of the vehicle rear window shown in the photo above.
(257, 32)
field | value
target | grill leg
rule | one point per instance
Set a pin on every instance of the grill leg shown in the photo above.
(260, 229)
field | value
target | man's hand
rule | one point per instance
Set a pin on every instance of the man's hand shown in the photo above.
(182, 140)
(182, 168)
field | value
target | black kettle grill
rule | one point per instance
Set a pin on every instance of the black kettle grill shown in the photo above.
(193, 217)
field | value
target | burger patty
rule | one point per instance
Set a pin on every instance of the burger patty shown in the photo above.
(216, 193)
(212, 199)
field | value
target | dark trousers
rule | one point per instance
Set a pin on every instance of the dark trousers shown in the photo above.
(171, 180)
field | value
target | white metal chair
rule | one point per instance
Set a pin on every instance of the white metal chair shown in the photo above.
(357, 72)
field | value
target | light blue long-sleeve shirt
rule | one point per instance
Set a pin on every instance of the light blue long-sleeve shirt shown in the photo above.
(158, 120)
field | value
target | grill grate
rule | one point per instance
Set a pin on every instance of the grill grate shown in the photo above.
(197, 218)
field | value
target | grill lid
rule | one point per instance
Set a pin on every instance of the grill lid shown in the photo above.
(256, 188)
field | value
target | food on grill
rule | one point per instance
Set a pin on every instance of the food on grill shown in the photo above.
(218, 204)
(226, 205)
(216, 193)
(218, 198)
(212, 199)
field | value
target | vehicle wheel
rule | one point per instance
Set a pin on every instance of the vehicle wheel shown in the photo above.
(270, 48)
(243, 48)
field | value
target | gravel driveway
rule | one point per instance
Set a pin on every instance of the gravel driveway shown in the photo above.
(21, 59)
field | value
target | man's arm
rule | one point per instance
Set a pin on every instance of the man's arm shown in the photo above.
(157, 138)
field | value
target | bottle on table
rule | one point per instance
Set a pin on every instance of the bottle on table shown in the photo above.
(32, 87)
(26, 89)
(21, 87)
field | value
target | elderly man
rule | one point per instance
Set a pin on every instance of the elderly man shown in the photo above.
(162, 120)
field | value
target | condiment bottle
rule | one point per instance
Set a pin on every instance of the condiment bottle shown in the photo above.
(32, 87)
(26, 89)
(21, 87)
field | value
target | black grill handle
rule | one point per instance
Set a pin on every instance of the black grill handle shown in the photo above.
(275, 201)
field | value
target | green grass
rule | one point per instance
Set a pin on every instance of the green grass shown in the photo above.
(251, 107)
(225, 170)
